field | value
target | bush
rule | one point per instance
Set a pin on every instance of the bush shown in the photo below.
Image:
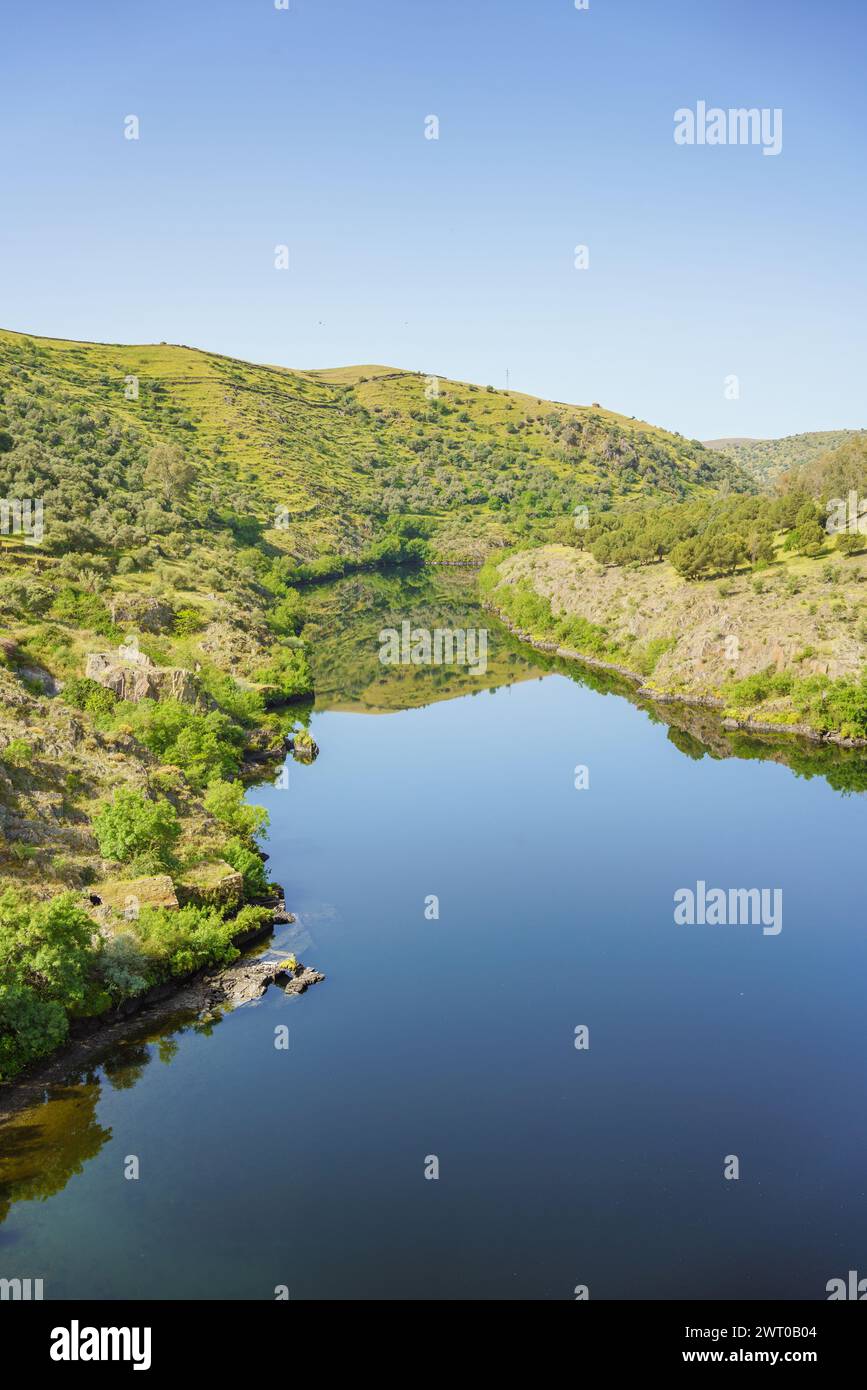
(85, 694)
(761, 686)
(122, 966)
(84, 610)
(45, 960)
(245, 707)
(188, 621)
(249, 865)
(130, 827)
(287, 616)
(180, 942)
(46, 946)
(225, 802)
(30, 1028)
(18, 753)
(202, 745)
(289, 671)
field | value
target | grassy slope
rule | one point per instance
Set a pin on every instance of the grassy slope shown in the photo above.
(805, 617)
(341, 448)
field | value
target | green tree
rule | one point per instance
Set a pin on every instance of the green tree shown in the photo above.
(225, 801)
(131, 827)
(168, 472)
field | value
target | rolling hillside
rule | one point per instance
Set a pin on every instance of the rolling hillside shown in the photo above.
(769, 459)
(322, 459)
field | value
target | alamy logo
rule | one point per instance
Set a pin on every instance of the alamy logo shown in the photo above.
(713, 125)
(76, 1343)
(444, 646)
(22, 516)
(847, 514)
(720, 907)
(21, 1289)
(855, 1288)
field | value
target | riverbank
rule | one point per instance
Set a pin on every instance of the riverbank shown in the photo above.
(742, 648)
(203, 992)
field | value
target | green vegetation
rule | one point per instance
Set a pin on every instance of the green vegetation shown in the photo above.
(132, 830)
(54, 966)
(249, 865)
(705, 537)
(289, 673)
(203, 745)
(225, 802)
(332, 470)
(826, 705)
(768, 459)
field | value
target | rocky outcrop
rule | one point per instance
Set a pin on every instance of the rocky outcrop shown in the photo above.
(215, 884)
(244, 982)
(235, 646)
(129, 895)
(133, 676)
(141, 611)
(303, 746)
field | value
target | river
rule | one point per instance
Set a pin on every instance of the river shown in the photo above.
(443, 1038)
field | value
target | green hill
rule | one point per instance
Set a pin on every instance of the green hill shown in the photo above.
(330, 456)
(768, 459)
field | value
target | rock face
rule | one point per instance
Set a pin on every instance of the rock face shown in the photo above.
(141, 611)
(133, 676)
(211, 885)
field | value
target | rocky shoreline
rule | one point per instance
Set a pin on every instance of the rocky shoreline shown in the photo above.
(207, 992)
(665, 697)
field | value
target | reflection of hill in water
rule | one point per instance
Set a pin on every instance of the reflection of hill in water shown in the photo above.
(347, 617)
(50, 1130)
(43, 1147)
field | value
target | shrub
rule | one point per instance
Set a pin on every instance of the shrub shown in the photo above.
(30, 1028)
(249, 865)
(202, 745)
(18, 753)
(188, 621)
(225, 802)
(85, 694)
(84, 610)
(289, 671)
(130, 827)
(287, 616)
(180, 942)
(122, 966)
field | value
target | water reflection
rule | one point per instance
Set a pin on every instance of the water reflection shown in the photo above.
(345, 620)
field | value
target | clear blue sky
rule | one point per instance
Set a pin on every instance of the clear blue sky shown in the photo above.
(261, 126)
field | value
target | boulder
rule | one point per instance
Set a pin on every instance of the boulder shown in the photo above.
(135, 677)
(131, 894)
(215, 884)
(141, 611)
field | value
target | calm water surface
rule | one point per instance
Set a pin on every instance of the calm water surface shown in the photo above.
(455, 1037)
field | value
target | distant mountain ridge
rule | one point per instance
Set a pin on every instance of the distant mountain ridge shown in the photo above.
(768, 459)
